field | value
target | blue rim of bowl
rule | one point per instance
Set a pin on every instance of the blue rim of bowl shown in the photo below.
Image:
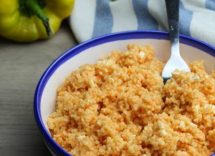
(91, 43)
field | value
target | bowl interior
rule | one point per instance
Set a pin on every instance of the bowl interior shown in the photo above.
(89, 56)
(92, 54)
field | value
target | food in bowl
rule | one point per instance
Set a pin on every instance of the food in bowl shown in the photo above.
(120, 106)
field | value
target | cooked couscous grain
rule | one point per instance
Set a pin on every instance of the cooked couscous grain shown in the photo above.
(120, 107)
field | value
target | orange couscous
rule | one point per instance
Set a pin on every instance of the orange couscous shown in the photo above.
(121, 107)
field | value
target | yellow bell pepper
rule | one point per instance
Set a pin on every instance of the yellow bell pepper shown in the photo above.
(30, 20)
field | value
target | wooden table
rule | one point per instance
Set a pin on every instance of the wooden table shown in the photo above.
(21, 66)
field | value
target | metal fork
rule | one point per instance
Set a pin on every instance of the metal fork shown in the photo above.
(175, 61)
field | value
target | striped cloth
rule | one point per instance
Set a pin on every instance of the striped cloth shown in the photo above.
(92, 18)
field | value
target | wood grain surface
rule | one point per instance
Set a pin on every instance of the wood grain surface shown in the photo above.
(21, 66)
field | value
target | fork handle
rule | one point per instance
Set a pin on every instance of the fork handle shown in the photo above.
(172, 8)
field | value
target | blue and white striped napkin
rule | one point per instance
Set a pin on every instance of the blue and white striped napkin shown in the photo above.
(92, 18)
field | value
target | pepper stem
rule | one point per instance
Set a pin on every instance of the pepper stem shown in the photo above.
(34, 8)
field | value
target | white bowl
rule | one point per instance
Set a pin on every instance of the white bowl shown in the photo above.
(90, 52)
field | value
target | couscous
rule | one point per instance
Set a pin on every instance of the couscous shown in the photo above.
(121, 107)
